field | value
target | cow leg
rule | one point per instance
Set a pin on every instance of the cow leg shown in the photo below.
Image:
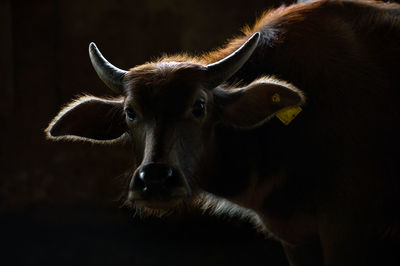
(304, 255)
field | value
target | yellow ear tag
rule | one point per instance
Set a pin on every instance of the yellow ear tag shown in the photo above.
(286, 115)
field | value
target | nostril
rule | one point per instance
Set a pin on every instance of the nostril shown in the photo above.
(157, 179)
(155, 174)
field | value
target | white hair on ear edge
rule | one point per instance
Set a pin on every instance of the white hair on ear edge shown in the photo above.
(68, 107)
(274, 80)
(304, 1)
(215, 205)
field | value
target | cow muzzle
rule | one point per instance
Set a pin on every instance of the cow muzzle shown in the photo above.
(157, 185)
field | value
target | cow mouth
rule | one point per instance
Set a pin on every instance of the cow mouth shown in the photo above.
(158, 205)
(161, 202)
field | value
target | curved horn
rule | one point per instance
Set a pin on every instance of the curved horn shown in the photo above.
(222, 70)
(109, 74)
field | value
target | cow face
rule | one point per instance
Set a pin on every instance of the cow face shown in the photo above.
(168, 111)
(169, 116)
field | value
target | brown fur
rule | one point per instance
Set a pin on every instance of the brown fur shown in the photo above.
(326, 186)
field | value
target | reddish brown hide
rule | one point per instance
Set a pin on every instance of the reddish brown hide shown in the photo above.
(205, 132)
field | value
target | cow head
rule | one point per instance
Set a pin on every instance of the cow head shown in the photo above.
(169, 110)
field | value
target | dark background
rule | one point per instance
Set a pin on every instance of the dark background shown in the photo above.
(58, 201)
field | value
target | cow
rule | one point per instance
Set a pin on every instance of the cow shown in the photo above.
(294, 123)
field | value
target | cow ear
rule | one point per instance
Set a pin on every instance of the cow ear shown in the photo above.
(89, 119)
(255, 104)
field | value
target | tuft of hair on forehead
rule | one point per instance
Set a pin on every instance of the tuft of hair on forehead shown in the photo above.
(161, 72)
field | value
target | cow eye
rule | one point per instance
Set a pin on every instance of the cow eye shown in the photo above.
(198, 108)
(130, 114)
